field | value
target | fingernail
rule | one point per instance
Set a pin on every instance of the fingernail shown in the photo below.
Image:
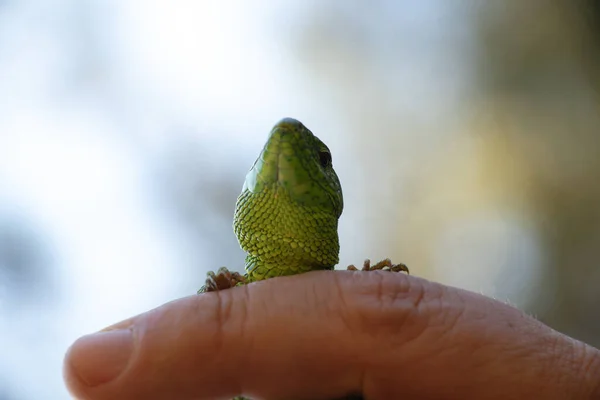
(101, 357)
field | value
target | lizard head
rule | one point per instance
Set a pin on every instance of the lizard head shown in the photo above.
(297, 161)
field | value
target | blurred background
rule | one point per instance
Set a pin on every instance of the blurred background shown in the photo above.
(465, 135)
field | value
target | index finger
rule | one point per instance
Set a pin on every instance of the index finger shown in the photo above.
(328, 334)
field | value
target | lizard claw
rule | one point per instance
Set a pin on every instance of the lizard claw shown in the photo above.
(221, 280)
(383, 265)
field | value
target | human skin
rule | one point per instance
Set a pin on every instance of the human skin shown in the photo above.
(322, 335)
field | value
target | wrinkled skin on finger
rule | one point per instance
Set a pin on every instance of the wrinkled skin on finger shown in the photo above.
(323, 335)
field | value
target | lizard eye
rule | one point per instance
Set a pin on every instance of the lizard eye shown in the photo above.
(325, 158)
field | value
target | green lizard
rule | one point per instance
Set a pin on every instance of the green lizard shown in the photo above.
(286, 217)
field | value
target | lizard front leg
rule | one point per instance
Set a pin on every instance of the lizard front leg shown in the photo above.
(221, 280)
(383, 265)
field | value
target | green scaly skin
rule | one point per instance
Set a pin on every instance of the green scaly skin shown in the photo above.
(286, 217)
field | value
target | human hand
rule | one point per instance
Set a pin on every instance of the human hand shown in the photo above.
(327, 334)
